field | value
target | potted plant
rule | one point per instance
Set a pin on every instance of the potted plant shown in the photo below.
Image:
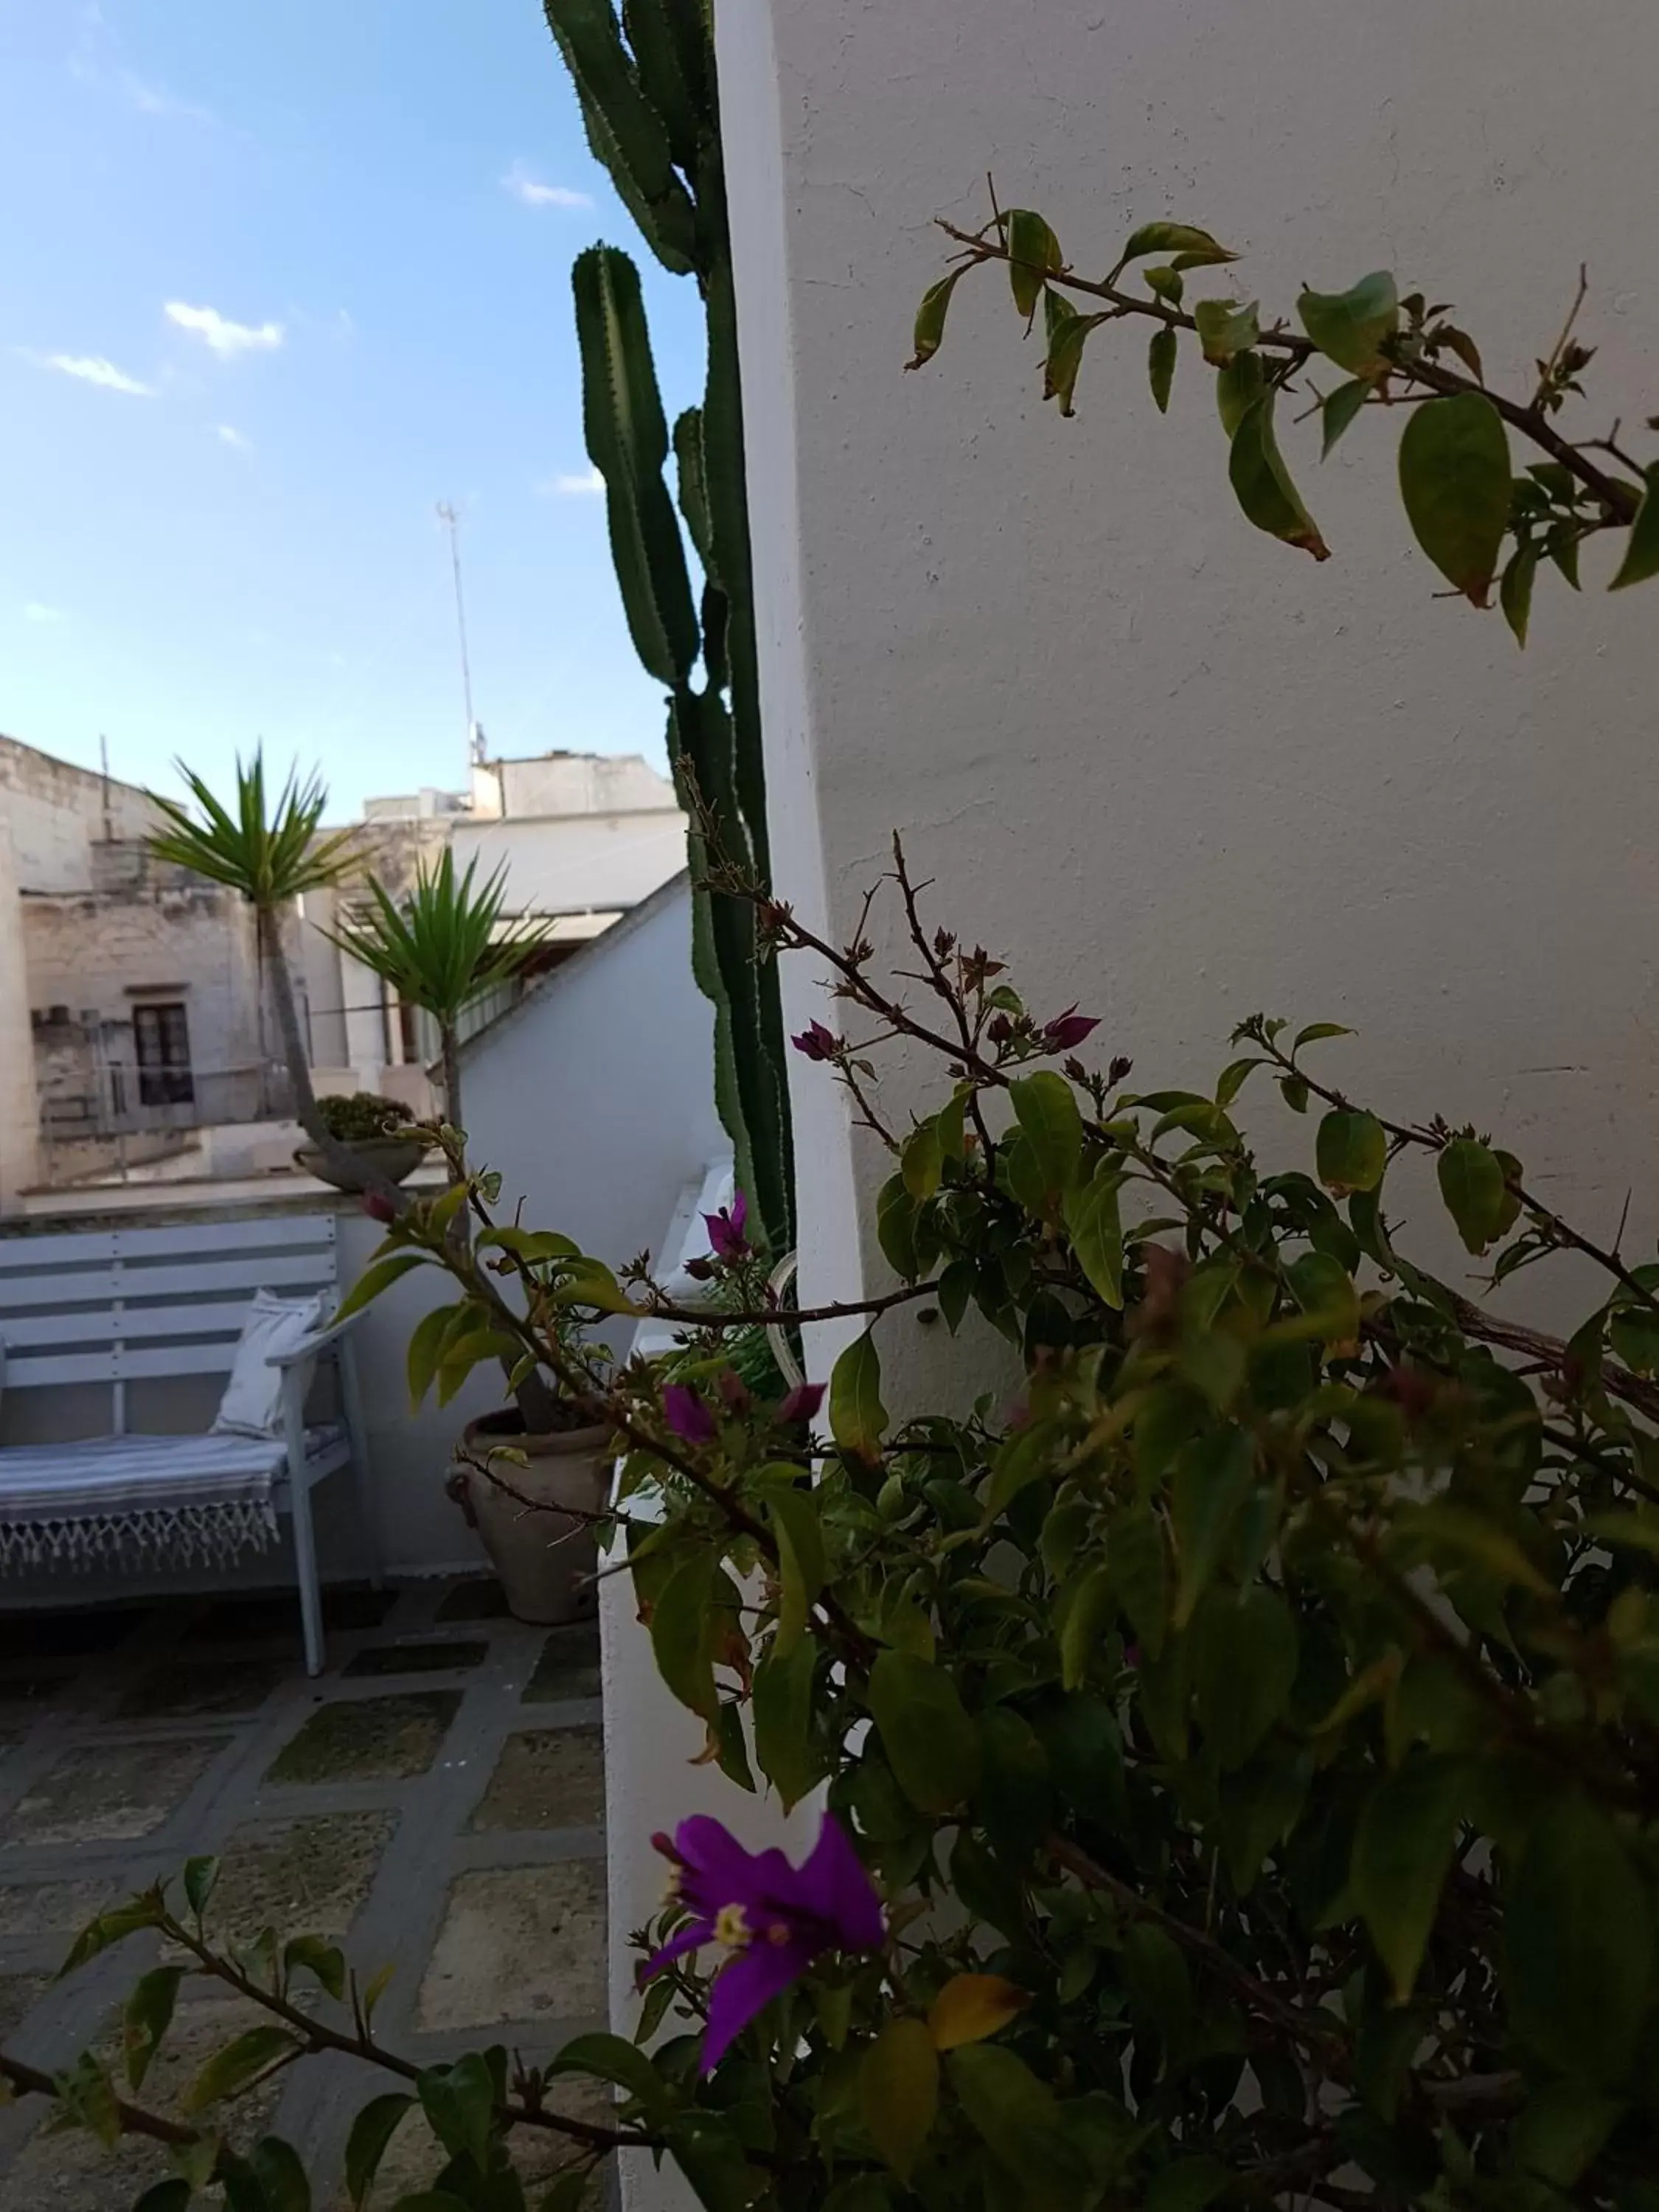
(534, 1494)
(442, 947)
(377, 1132)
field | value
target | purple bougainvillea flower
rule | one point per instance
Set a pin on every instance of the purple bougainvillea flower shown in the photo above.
(726, 1236)
(802, 1402)
(816, 1041)
(686, 1414)
(1069, 1028)
(772, 1918)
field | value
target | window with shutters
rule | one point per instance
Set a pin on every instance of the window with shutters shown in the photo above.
(161, 1038)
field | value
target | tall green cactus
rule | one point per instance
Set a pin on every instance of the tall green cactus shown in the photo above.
(647, 85)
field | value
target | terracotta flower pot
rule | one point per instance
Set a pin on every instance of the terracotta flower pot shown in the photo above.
(394, 1157)
(544, 1555)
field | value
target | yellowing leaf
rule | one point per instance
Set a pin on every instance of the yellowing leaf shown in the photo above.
(970, 2007)
(898, 2092)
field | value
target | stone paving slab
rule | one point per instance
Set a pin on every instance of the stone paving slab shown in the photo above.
(516, 1942)
(367, 1738)
(569, 1667)
(546, 1778)
(428, 1826)
(111, 1791)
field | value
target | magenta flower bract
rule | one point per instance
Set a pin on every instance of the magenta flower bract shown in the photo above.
(802, 1402)
(725, 1236)
(1069, 1028)
(816, 1041)
(686, 1414)
(773, 1918)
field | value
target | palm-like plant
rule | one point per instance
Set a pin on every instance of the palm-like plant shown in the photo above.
(442, 947)
(271, 855)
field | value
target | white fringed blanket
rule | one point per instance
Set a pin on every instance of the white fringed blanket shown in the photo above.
(136, 1501)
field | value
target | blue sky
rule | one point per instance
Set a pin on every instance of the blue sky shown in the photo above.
(290, 274)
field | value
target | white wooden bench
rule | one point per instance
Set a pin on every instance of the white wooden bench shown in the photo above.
(130, 1305)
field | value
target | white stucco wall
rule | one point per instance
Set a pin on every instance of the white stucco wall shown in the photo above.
(594, 1096)
(1176, 771)
(561, 864)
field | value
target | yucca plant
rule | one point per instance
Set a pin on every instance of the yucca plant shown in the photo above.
(441, 948)
(271, 854)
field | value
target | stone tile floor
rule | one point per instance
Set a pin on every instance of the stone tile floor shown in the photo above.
(435, 1799)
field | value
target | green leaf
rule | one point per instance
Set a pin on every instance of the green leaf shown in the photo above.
(1156, 1980)
(956, 1288)
(426, 1344)
(371, 2132)
(612, 2059)
(1315, 1032)
(1471, 1178)
(569, 2191)
(1237, 388)
(1225, 329)
(896, 1228)
(1034, 252)
(1187, 2184)
(1350, 328)
(1093, 1222)
(283, 2184)
(1196, 248)
(857, 1419)
(229, 2071)
(1641, 558)
(681, 1643)
(460, 2103)
(1256, 470)
(1351, 1152)
(1004, 2101)
(1161, 365)
(782, 1708)
(929, 332)
(800, 1561)
(376, 1279)
(1082, 1611)
(172, 2196)
(1514, 590)
(1066, 344)
(1138, 1568)
(1578, 1935)
(1561, 2129)
(1402, 1848)
(898, 2092)
(932, 1745)
(1213, 1476)
(322, 1959)
(146, 2019)
(200, 1875)
(1337, 410)
(1454, 481)
(922, 1162)
(1047, 1111)
(1247, 1662)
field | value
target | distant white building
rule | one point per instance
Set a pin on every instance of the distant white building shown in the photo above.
(134, 1031)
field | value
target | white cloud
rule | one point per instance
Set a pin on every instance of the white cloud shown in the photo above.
(93, 369)
(589, 485)
(97, 61)
(224, 338)
(36, 611)
(535, 194)
(229, 435)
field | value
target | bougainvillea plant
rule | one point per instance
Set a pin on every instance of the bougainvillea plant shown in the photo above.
(1236, 1734)
(1349, 353)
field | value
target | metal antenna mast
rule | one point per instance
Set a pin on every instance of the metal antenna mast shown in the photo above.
(451, 521)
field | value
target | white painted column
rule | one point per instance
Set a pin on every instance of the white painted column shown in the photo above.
(365, 1027)
(20, 1110)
